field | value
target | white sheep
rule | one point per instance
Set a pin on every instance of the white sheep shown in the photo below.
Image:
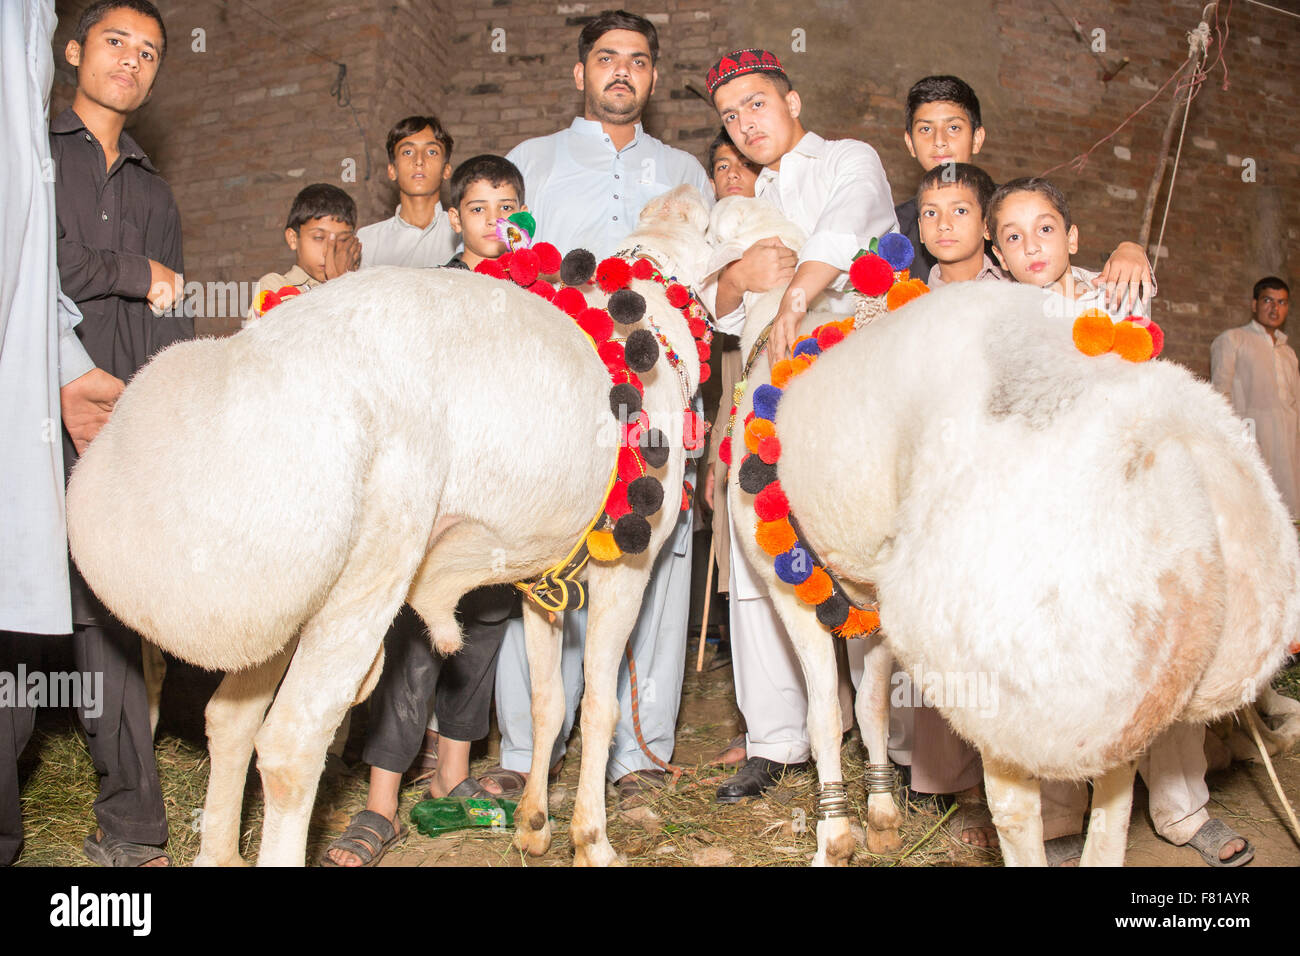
(272, 498)
(1099, 540)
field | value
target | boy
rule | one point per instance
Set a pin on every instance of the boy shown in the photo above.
(1034, 237)
(419, 233)
(322, 220)
(952, 200)
(730, 172)
(943, 125)
(483, 189)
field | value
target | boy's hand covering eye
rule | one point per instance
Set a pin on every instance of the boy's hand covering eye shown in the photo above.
(342, 255)
(1127, 276)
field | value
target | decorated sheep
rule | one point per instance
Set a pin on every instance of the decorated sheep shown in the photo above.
(1096, 534)
(396, 435)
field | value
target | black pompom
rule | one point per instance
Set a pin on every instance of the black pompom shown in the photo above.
(578, 267)
(645, 495)
(632, 533)
(834, 611)
(624, 401)
(626, 306)
(755, 475)
(654, 447)
(641, 350)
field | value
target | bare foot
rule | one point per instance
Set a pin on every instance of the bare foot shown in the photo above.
(735, 753)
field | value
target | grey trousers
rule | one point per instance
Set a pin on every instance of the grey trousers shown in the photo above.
(658, 643)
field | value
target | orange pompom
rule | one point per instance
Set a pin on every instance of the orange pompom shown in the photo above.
(601, 546)
(816, 589)
(1132, 342)
(902, 293)
(781, 373)
(861, 623)
(757, 430)
(1094, 333)
(776, 537)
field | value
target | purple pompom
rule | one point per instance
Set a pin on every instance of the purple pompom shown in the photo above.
(808, 347)
(896, 249)
(766, 398)
(793, 567)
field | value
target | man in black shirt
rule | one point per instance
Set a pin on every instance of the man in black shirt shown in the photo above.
(119, 253)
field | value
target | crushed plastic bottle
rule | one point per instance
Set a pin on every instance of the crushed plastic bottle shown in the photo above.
(445, 814)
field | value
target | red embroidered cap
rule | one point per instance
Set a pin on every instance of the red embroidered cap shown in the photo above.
(741, 62)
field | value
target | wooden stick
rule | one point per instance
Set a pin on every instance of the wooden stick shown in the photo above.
(708, 596)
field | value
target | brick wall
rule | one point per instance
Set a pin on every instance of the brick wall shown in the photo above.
(238, 128)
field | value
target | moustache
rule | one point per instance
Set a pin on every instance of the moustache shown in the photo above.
(628, 86)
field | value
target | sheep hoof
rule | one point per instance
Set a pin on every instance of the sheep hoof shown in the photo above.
(883, 841)
(597, 854)
(533, 842)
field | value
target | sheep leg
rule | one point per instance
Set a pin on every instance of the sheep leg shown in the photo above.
(233, 715)
(1016, 805)
(816, 652)
(872, 705)
(1112, 804)
(608, 625)
(542, 639)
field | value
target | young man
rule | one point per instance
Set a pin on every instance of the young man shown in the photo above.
(1256, 369)
(838, 193)
(119, 253)
(586, 185)
(321, 221)
(419, 233)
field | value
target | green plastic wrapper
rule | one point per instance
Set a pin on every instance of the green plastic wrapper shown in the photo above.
(445, 814)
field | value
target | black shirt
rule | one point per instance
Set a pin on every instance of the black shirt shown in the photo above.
(110, 224)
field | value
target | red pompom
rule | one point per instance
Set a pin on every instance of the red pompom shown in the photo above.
(629, 377)
(490, 267)
(616, 504)
(571, 301)
(611, 353)
(749, 418)
(771, 504)
(643, 269)
(631, 465)
(724, 450)
(548, 257)
(678, 295)
(1157, 339)
(612, 274)
(692, 431)
(705, 373)
(686, 498)
(769, 449)
(697, 327)
(871, 275)
(524, 266)
(702, 348)
(544, 289)
(829, 335)
(596, 323)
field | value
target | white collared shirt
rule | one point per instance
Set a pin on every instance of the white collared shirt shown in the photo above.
(584, 193)
(988, 271)
(837, 192)
(1259, 375)
(395, 242)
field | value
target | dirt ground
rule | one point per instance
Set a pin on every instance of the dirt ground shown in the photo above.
(679, 827)
(688, 828)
